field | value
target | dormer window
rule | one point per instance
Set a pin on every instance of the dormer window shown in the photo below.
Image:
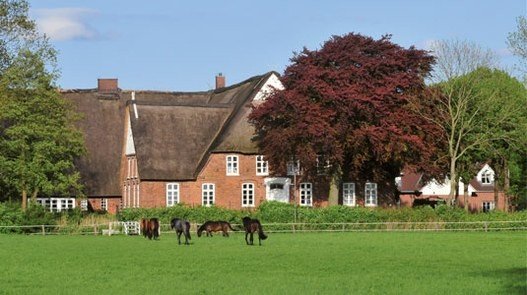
(293, 167)
(486, 177)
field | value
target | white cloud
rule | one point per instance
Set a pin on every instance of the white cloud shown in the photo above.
(61, 24)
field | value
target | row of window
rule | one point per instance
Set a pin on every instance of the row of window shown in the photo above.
(208, 194)
(233, 165)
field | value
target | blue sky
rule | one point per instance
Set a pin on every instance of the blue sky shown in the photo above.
(182, 45)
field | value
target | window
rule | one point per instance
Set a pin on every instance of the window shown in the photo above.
(306, 194)
(57, 204)
(84, 205)
(104, 204)
(232, 165)
(262, 166)
(486, 177)
(248, 195)
(487, 206)
(370, 194)
(293, 168)
(207, 193)
(276, 186)
(322, 165)
(348, 194)
(172, 194)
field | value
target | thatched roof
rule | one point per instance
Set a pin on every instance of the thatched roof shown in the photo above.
(173, 135)
(173, 138)
(102, 124)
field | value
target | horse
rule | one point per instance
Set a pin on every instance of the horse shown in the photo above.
(213, 226)
(181, 227)
(150, 228)
(144, 227)
(251, 226)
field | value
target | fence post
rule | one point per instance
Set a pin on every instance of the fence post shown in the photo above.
(43, 229)
(95, 229)
(109, 228)
(486, 226)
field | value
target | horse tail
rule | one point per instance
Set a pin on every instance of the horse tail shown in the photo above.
(261, 233)
(187, 229)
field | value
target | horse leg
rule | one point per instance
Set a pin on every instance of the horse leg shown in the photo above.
(246, 241)
(179, 237)
(252, 238)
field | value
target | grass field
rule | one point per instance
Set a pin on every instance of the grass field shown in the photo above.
(309, 263)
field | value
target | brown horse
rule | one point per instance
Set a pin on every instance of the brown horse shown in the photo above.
(213, 226)
(150, 228)
(251, 226)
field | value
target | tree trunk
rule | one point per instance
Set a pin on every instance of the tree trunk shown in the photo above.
(34, 196)
(333, 198)
(506, 186)
(453, 182)
(465, 196)
(24, 200)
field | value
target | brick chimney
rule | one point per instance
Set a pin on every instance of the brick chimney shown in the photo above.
(220, 81)
(107, 85)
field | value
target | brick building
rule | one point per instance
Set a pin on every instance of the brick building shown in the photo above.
(156, 149)
(481, 191)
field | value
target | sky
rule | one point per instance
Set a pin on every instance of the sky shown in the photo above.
(181, 45)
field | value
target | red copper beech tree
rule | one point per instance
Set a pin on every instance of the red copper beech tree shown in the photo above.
(347, 105)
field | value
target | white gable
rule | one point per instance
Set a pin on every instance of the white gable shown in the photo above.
(130, 146)
(443, 189)
(272, 83)
(486, 169)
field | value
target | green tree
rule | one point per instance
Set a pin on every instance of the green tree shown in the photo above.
(18, 32)
(507, 123)
(38, 142)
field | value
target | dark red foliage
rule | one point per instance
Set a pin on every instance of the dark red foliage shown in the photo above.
(349, 101)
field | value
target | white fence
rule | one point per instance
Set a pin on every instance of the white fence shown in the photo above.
(113, 228)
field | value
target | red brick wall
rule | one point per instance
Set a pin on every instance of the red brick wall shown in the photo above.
(475, 203)
(94, 203)
(228, 189)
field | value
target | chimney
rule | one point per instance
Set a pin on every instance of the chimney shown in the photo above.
(107, 85)
(220, 81)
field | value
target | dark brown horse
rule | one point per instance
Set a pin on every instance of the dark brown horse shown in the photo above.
(251, 226)
(150, 228)
(213, 226)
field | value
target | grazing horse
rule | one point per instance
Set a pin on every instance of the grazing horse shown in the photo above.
(181, 227)
(213, 226)
(251, 226)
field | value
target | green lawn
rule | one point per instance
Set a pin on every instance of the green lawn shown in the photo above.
(308, 263)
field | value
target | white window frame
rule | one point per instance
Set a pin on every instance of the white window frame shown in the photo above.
(247, 194)
(262, 166)
(370, 194)
(232, 165)
(84, 204)
(104, 204)
(322, 168)
(57, 204)
(208, 194)
(172, 194)
(348, 194)
(293, 168)
(306, 194)
(486, 177)
(487, 206)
